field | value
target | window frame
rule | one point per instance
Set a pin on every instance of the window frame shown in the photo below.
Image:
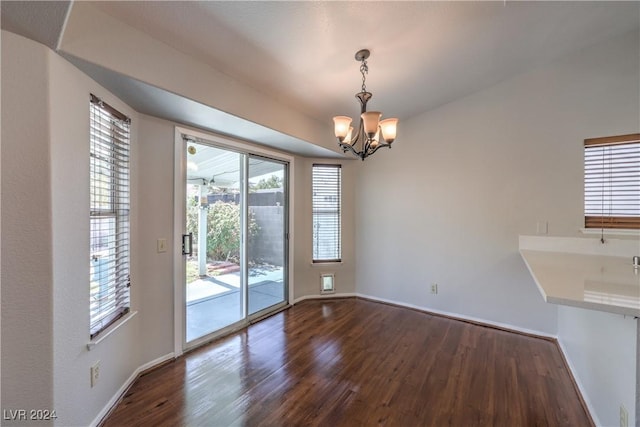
(316, 257)
(595, 182)
(109, 203)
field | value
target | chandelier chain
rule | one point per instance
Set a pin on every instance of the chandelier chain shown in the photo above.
(364, 69)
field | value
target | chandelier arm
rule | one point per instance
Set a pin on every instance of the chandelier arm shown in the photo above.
(363, 139)
(363, 97)
(351, 146)
(346, 147)
(377, 147)
(356, 139)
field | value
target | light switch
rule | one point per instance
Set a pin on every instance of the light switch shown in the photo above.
(162, 245)
(542, 227)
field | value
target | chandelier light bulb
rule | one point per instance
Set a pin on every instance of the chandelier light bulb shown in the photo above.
(349, 137)
(389, 129)
(341, 126)
(371, 120)
(375, 141)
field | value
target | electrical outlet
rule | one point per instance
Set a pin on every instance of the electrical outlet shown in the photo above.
(95, 373)
(624, 417)
(434, 288)
(162, 245)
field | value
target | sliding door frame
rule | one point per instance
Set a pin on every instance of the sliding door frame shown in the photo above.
(285, 272)
(179, 193)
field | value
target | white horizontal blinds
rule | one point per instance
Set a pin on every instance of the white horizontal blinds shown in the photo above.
(612, 182)
(326, 202)
(109, 215)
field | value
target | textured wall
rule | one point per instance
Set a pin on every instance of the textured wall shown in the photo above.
(119, 354)
(27, 286)
(45, 304)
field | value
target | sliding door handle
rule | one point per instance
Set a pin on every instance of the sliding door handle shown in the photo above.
(188, 237)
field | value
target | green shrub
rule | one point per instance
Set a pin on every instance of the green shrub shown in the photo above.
(223, 229)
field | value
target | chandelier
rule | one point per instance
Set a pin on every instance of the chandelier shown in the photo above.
(367, 139)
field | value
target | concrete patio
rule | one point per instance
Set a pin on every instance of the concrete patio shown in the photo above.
(215, 302)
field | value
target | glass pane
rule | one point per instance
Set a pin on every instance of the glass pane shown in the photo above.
(267, 216)
(214, 295)
(102, 267)
(326, 185)
(612, 180)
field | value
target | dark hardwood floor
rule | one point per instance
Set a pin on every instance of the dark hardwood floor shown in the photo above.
(353, 362)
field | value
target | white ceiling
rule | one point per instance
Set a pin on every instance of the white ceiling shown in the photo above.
(37, 20)
(423, 54)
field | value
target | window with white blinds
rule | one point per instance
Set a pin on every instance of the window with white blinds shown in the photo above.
(326, 202)
(109, 283)
(612, 182)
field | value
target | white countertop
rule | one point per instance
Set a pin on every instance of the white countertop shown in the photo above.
(597, 282)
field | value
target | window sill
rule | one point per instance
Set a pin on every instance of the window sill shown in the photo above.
(326, 264)
(611, 231)
(111, 329)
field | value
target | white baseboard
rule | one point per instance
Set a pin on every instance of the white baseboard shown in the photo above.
(155, 362)
(459, 316)
(324, 296)
(576, 378)
(428, 310)
(116, 397)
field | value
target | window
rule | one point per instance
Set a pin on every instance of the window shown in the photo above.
(612, 182)
(108, 215)
(326, 213)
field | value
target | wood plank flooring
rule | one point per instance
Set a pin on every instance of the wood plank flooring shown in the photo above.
(353, 362)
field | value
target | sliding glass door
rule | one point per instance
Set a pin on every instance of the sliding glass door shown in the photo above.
(266, 249)
(234, 248)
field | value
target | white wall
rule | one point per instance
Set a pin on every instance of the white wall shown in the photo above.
(45, 306)
(601, 348)
(447, 203)
(307, 274)
(133, 53)
(155, 178)
(119, 354)
(27, 311)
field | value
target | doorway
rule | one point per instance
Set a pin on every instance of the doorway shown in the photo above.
(235, 238)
